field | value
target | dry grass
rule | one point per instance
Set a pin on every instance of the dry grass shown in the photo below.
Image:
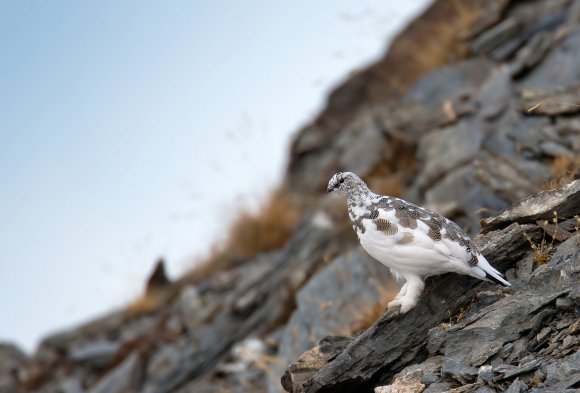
(372, 312)
(158, 291)
(461, 314)
(449, 46)
(266, 230)
(251, 233)
(145, 304)
(415, 52)
(543, 251)
(454, 319)
(386, 178)
(564, 169)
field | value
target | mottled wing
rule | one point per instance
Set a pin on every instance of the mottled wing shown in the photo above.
(442, 234)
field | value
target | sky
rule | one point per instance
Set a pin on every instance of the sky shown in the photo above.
(136, 130)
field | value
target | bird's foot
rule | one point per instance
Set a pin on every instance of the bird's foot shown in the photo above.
(408, 304)
(402, 292)
(394, 303)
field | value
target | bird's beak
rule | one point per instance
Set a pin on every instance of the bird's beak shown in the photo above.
(329, 189)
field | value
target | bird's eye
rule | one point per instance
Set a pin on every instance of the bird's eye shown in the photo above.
(341, 181)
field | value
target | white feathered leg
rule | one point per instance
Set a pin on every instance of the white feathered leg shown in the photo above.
(397, 300)
(415, 286)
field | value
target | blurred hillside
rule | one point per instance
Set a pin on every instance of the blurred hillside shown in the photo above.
(474, 107)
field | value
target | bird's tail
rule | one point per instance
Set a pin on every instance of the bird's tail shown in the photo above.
(489, 273)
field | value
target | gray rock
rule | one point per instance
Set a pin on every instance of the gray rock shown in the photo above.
(541, 338)
(513, 371)
(311, 361)
(519, 350)
(459, 371)
(12, 359)
(495, 93)
(408, 383)
(440, 387)
(409, 120)
(560, 68)
(125, 378)
(559, 101)
(485, 373)
(462, 186)
(335, 301)
(447, 83)
(569, 341)
(510, 178)
(444, 150)
(532, 53)
(426, 373)
(71, 385)
(496, 36)
(517, 386)
(395, 349)
(525, 267)
(506, 350)
(565, 125)
(530, 19)
(487, 17)
(358, 147)
(191, 308)
(96, 354)
(254, 306)
(526, 132)
(574, 328)
(165, 359)
(484, 389)
(564, 373)
(554, 149)
(539, 207)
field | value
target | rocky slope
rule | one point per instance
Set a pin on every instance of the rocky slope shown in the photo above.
(467, 336)
(474, 107)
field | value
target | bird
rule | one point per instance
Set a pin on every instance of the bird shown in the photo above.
(412, 241)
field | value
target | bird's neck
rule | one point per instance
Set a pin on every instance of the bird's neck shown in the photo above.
(360, 196)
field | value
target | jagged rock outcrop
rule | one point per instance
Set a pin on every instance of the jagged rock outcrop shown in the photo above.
(483, 131)
(469, 334)
(474, 107)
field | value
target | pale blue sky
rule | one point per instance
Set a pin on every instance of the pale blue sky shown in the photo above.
(136, 129)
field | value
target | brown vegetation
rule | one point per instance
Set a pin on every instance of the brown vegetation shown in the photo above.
(373, 311)
(543, 250)
(251, 233)
(387, 177)
(158, 291)
(565, 169)
(144, 304)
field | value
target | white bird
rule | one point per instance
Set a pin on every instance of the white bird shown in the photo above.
(413, 242)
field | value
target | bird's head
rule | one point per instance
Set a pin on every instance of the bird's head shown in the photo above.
(346, 183)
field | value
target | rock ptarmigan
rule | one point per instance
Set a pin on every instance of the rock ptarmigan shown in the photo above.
(413, 242)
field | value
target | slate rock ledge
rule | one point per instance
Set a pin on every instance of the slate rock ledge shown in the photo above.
(466, 335)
